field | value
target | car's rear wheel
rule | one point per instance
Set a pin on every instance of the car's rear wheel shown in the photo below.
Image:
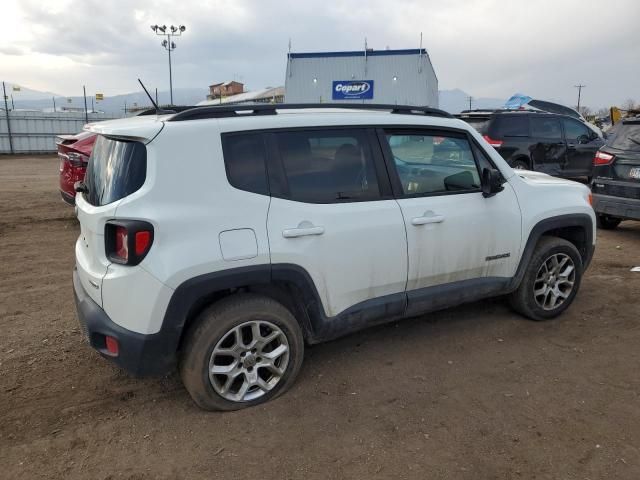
(243, 350)
(607, 222)
(551, 280)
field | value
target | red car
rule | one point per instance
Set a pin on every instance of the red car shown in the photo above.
(74, 152)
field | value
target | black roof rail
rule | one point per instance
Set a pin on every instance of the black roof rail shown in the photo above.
(215, 111)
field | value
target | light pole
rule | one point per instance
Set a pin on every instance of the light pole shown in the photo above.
(169, 45)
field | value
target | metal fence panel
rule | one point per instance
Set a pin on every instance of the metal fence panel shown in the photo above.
(35, 132)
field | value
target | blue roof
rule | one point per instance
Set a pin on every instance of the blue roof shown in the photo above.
(359, 53)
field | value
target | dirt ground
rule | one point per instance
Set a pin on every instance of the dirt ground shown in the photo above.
(476, 392)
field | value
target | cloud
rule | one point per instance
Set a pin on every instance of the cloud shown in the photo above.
(485, 47)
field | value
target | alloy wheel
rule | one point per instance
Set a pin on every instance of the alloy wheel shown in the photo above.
(554, 281)
(249, 361)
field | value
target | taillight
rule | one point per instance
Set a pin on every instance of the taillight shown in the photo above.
(492, 142)
(143, 242)
(128, 241)
(602, 158)
(122, 244)
(77, 159)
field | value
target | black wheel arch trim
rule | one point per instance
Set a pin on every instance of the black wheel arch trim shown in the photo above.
(582, 220)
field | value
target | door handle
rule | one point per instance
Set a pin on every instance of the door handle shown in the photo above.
(431, 218)
(303, 230)
(571, 145)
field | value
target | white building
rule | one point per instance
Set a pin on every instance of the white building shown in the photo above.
(403, 77)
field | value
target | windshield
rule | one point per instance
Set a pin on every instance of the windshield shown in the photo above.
(116, 169)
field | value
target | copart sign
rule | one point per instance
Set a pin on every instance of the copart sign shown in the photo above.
(352, 89)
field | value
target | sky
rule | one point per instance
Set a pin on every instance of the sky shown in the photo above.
(488, 48)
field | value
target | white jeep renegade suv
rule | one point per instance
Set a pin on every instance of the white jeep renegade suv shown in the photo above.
(223, 239)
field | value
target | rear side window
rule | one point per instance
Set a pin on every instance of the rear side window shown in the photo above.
(627, 137)
(244, 159)
(546, 127)
(510, 126)
(326, 166)
(116, 169)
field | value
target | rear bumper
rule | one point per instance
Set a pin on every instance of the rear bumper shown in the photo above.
(626, 208)
(139, 354)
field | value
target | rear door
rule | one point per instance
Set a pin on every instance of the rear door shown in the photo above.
(116, 169)
(332, 213)
(582, 144)
(548, 148)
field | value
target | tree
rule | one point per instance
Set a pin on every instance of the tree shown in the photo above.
(585, 111)
(629, 104)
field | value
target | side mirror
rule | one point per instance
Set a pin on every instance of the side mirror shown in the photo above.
(491, 182)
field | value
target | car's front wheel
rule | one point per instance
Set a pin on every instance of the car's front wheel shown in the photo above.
(244, 350)
(551, 280)
(607, 222)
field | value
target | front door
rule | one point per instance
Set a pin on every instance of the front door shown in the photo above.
(334, 219)
(454, 234)
(582, 145)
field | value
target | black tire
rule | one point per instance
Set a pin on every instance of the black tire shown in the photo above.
(523, 300)
(520, 165)
(607, 222)
(215, 323)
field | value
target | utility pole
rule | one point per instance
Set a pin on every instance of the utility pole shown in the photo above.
(169, 46)
(54, 104)
(470, 100)
(6, 112)
(579, 87)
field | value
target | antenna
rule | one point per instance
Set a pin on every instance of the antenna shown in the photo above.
(289, 57)
(365, 56)
(148, 95)
(420, 55)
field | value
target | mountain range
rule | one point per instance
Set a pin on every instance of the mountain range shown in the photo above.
(450, 100)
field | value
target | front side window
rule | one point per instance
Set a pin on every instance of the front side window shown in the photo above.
(433, 164)
(326, 166)
(546, 127)
(116, 169)
(576, 132)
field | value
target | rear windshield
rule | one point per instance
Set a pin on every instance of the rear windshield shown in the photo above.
(480, 124)
(626, 137)
(116, 169)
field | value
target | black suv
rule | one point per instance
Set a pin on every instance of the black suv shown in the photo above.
(616, 176)
(559, 145)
